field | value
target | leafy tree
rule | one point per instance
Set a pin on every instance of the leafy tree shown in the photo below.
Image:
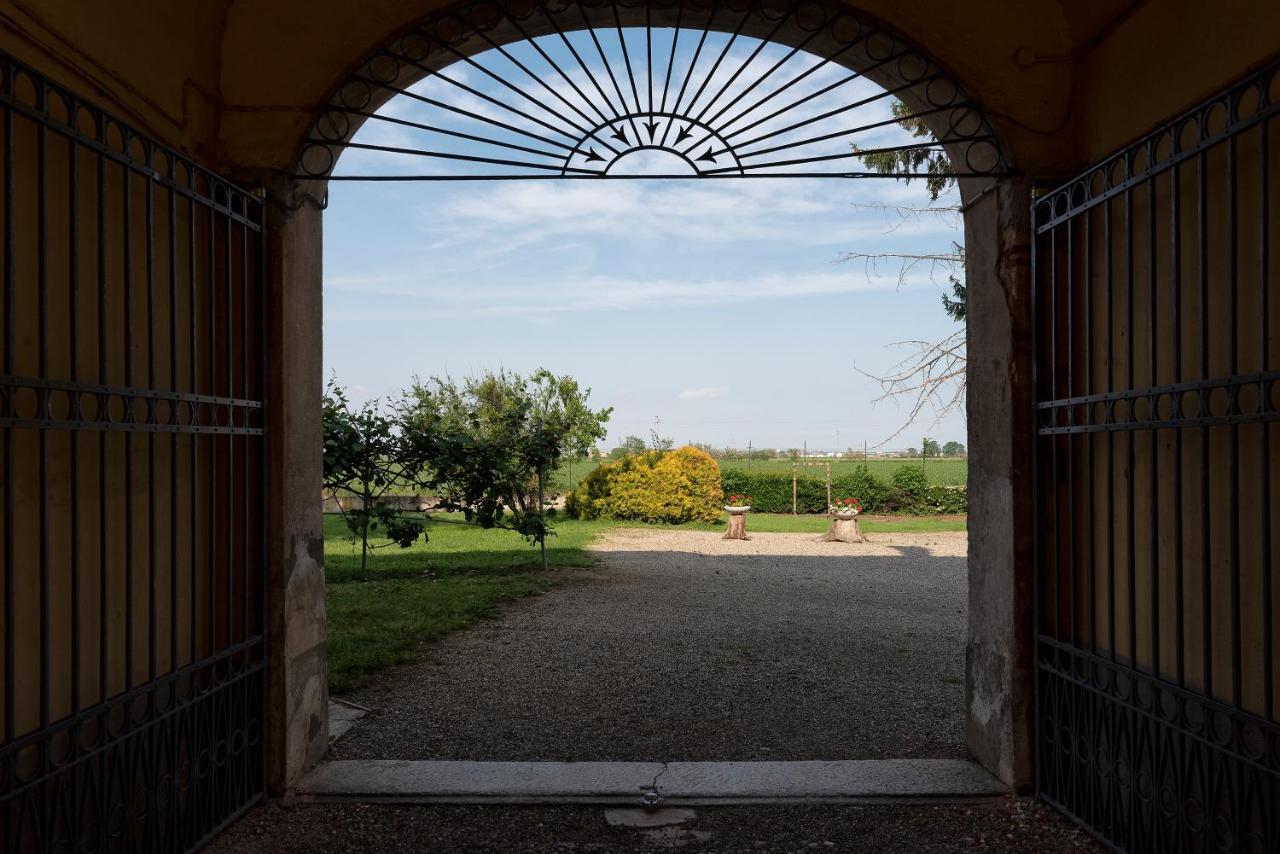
(660, 443)
(931, 163)
(912, 452)
(365, 456)
(953, 449)
(487, 444)
(630, 446)
(957, 305)
(929, 448)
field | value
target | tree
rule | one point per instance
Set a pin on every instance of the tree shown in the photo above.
(630, 446)
(931, 162)
(929, 448)
(933, 375)
(487, 445)
(912, 452)
(365, 456)
(953, 449)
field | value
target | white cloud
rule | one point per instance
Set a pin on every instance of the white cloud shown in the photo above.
(411, 296)
(705, 393)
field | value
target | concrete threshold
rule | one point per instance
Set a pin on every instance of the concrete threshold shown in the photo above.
(648, 783)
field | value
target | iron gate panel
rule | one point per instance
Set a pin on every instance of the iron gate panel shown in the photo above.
(1157, 396)
(131, 409)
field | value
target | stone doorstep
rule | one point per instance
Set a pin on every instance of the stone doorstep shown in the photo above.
(342, 717)
(636, 783)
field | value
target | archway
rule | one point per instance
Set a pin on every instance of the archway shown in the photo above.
(770, 125)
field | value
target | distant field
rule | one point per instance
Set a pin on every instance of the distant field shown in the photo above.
(950, 472)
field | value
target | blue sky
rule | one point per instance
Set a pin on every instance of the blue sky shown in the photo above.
(716, 310)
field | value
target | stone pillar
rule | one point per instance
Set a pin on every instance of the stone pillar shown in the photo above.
(999, 659)
(297, 687)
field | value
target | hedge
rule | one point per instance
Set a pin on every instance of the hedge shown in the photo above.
(658, 486)
(907, 491)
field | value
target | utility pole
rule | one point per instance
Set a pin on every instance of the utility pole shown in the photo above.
(837, 444)
(864, 450)
(806, 449)
(748, 455)
(923, 452)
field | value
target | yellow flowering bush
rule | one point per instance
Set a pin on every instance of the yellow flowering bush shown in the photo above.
(657, 486)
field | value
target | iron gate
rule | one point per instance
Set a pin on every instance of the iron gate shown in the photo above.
(133, 484)
(1157, 398)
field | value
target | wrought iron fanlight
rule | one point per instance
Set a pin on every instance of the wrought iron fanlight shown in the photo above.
(569, 88)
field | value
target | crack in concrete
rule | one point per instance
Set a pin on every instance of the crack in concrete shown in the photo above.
(650, 796)
(663, 770)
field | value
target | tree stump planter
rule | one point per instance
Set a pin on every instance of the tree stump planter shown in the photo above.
(737, 523)
(844, 529)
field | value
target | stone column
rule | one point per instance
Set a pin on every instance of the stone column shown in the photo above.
(297, 687)
(999, 659)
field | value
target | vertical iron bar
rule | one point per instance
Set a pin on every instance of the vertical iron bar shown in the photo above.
(193, 439)
(1154, 458)
(42, 349)
(1037, 552)
(648, 62)
(1233, 483)
(1087, 339)
(211, 550)
(104, 543)
(248, 442)
(1131, 485)
(10, 302)
(149, 269)
(73, 306)
(1179, 607)
(1206, 529)
(1053, 441)
(671, 60)
(1264, 231)
(171, 218)
(10, 727)
(626, 58)
(127, 227)
(229, 333)
(261, 303)
(1111, 444)
(1070, 439)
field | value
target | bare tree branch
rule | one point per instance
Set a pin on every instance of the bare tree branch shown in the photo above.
(908, 213)
(933, 377)
(947, 262)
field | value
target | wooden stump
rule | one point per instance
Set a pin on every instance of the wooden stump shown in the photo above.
(737, 527)
(843, 531)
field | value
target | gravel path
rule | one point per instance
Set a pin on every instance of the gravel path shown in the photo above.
(684, 646)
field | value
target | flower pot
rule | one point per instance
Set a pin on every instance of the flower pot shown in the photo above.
(736, 511)
(846, 514)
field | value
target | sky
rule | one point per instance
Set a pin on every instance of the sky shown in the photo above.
(714, 311)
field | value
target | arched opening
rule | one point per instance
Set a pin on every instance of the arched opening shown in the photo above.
(802, 91)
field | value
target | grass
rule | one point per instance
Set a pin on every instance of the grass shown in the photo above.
(381, 617)
(949, 472)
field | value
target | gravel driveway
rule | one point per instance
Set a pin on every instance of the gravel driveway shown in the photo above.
(683, 646)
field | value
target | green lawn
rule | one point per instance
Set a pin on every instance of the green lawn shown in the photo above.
(408, 596)
(463, 573)
(950, 472)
